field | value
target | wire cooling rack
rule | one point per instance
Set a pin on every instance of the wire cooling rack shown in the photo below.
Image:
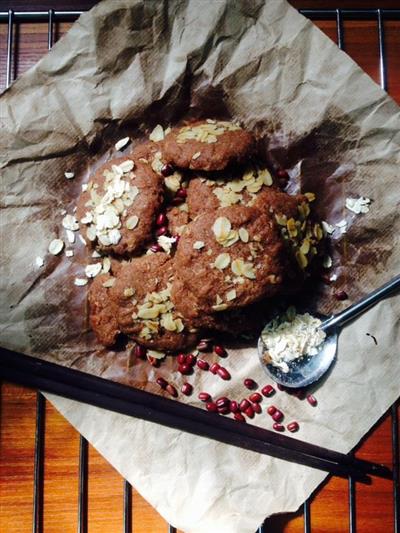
(51, 17)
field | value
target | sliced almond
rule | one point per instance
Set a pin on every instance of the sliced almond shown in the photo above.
(219, 307)
(243, 234)
(79, 282)
(91, 271)
(230, 295)
(198, 245)
(132, 222)
(127, 166)
(69, 175)
(109, 283)
(122, 143)
(196, 155)
(128, 292)
(69, 253)
(222, 261)
(157, 134)
(56, 246)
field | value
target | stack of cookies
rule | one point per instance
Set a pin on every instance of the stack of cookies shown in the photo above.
(199, 235)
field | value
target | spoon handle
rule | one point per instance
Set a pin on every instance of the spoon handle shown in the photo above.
(340, 319)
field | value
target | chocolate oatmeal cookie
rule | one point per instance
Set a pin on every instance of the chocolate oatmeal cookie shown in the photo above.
(144, 310)
(116, 211)
(207, 145)
(228, 259)
(103, 311)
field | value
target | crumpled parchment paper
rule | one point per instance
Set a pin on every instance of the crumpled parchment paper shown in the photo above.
(124, 67)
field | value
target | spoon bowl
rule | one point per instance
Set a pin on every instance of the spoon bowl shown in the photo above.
(308, 369)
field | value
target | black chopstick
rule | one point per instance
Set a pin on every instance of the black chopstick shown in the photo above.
(126, 400)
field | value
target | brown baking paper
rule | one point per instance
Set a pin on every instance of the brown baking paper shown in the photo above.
(124, 67)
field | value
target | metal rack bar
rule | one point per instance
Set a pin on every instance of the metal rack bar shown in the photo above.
(307, 516)
(83, 485)
(39, 16)
(127, 523)
(382, 56)
(339, 29)
(350, 14)
(10, 29)
(171, 529)
(50, 29)
(352, 506)
(37, 525)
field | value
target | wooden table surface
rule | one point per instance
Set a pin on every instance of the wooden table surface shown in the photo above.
(329, 508)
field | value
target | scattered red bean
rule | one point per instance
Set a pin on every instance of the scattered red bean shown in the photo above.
(250, 412)
(161, 219)
(268, 390)
(155, 248)
(214, 368)
(140, 351)
(203, 364)
(167, 170)
(234, 406)
(153, 361)
(190, 359)
(293, 427)
(171, 390)
(299, 393)
(239, 417)
(223, 373)
(224, 410)
(181, 193)
(204, 396)
(255, 397)
(244, 404)
(177, 200)
(162, 231)
(211, 406)
(204, 345)
(312, 400)
(223, 402)
(280, 387)
(278, 427)
(341, 295)
(181, 358)
(162, 382)
(220, 350)
(250, 383)
(187, 389)
(271, 410)
(176, 237)
(282, 173)
(185, 369)
(256, 408)
(277, 416)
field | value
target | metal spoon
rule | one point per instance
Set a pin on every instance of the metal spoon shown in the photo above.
(308, 369)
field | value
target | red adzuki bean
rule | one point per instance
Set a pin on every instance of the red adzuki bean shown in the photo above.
(155, 248)
(234, 406)
(181, 358)
(282, 173)
(190, 359)
(220, 350)
(256, 408)
(341, 295)
(203, 364)
(268, 390)
(185, 369)
(224, 410)
(161, 219)
(244, 404)
(223, 373)
(211, 406)
(250, 383)
(167, 170)
(153, 361)
(250, 412)
(140, 351)
(223, 402)
(187, 389)
(293, 427)
(214, 368)
(239, 417)
(181, 193)
(162, 382)
(171, 390)
(162, 231)
(312, 400)
(255, 397)
(204, 396)
(204, 345)
(277, 416)
(278, 427)
(271, 410)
